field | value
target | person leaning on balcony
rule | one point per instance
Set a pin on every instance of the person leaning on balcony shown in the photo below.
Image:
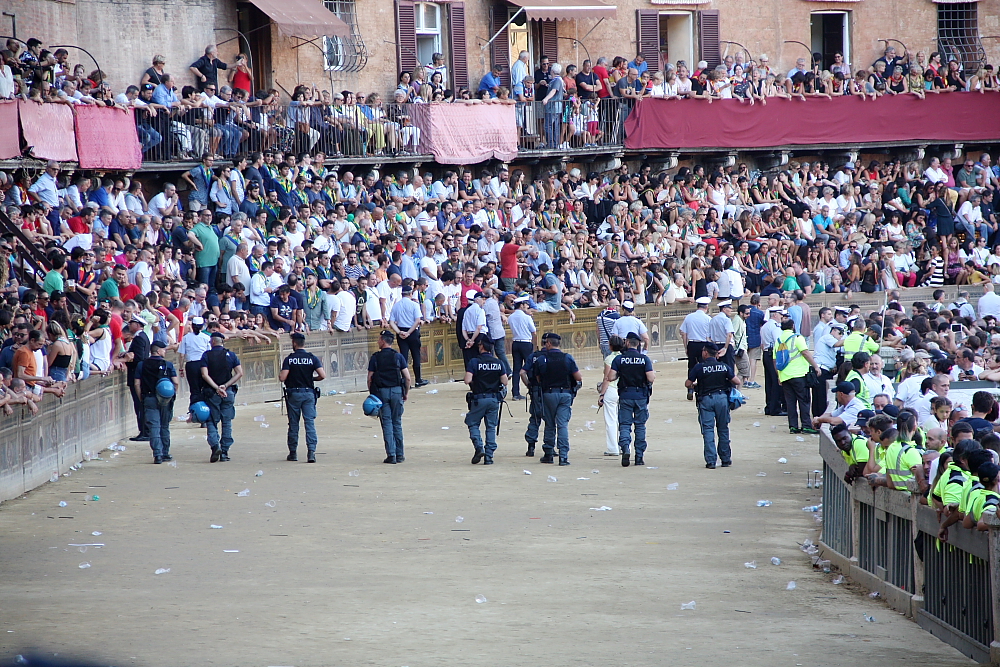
(491, 81)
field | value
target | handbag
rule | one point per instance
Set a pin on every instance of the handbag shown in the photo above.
(812, 379)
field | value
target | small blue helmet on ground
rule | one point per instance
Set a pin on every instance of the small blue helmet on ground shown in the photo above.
(201, 411)
(165, 388)
(372, 405)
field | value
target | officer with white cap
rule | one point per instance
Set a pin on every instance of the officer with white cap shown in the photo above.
(721, 332)
(773, 393)
(628, 322)
(695, 332)
(473, 324)
(192, 348)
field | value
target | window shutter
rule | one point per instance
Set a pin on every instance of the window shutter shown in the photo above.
(647, 33)
(459, 58)
(406, 36)
(550, 42)
(500, 47)
(708, 37)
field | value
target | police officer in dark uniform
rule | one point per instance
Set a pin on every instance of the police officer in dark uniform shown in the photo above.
(389, 379)
(157, 410)
(559, 378)
(712, 378)
(138, 351)
(299, 371)
(220, 371)
(534, 390)
(486, 379)
(635, 375)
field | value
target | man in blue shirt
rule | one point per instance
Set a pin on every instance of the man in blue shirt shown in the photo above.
(754, 318)
(639, 64)
(491, 81)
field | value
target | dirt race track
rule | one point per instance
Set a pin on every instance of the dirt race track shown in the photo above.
(376, 569)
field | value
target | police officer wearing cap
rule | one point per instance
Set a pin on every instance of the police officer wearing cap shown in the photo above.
(774, 395)
(628, 322)
(299, 371)
(826, 356)
(192, 348)
(721, 332)
(405, 320)
(635, 375)
(847, 410)
(713, 378)
(557, 374)
(695, 332)
(473, 323)
(534, 389)
(138, 351)
(158, 410)
(389, 379)
(522, 329)
(220, 371)
(487, 380)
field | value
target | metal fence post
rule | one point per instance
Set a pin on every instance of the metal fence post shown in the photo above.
(994, 523)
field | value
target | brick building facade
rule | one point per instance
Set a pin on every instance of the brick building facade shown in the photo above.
(389, 35)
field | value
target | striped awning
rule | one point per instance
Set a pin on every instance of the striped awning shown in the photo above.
(303, 18)
(566, 10)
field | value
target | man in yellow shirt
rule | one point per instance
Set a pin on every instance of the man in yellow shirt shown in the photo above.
(854, 449)
(792, 358)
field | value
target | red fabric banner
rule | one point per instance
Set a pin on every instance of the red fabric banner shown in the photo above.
(106, 138)
(671, 124)
(466, 133)
(48, 130)
(10, 139)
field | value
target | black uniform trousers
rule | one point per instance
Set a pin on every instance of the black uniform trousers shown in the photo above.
(411, 346)
(694, 348)
(797, 399)
(137, 406)
(820, 398)
(773, 393)
(192, 371)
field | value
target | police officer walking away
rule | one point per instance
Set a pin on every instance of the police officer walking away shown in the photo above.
(635, 374)
(389, 379)
(712, 378)
(486, 379)
(522, 328)
(774, 395)
(405, 321)
(220, 371)
(299, 371)
(557, 374)
(695, 333)
(534, 390)
(157, 409)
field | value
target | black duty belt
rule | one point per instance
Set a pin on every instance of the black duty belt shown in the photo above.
(299, 389)
(477, 397)
(712, 393)
(556, 390)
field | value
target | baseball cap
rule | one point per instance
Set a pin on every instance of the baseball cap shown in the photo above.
(157, 344)
(631, 335)
(846, 388)
(407, 289)
(551, 334)
(218, 334)
(864, 416)
(297, 336)
(711, 347)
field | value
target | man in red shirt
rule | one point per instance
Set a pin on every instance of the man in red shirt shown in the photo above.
(468, 282)
(83, 223)
(603, 78)
(510, 269)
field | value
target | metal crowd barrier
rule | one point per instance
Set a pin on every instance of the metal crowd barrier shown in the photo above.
(572, 124)
(887, 541)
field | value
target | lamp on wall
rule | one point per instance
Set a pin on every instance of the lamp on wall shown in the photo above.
(80, 48)
(749, 56)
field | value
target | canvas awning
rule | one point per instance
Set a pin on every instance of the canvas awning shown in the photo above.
(303, 18)
(566, 10)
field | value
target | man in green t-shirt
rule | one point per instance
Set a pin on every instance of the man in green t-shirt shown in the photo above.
(54, 281)
(207, 256)
(110, 287)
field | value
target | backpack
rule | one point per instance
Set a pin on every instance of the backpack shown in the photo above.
(782, 353)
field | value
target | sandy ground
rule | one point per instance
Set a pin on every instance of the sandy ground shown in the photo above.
(377, 569)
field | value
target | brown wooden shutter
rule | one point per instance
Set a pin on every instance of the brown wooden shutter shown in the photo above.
(406, 36)
(459, 57)
(550, 41)
(709, 36)
(647, 36)
(500, 47)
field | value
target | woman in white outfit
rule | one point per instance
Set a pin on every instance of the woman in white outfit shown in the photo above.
(610, 399)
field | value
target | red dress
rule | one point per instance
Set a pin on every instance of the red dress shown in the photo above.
(242, 80)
